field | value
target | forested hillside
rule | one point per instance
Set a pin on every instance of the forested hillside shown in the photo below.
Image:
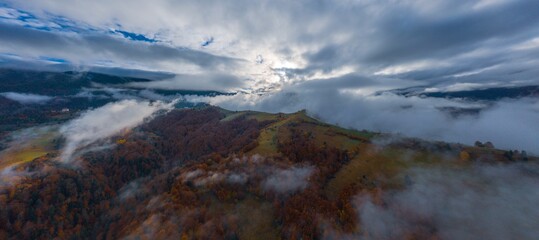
(209, 173)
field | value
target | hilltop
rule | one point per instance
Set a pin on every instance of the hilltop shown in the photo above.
(210, 173)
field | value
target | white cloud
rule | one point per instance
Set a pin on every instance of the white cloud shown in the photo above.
(488, 3)
(26, 98)
(10, 13)
(456, 87)
(104, 122)
(509, 124)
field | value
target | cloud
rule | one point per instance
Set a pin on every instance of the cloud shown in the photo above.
(39, 64)
(20, 139)
(94, 47)
(215, 82)
(12, 148)
(257, 171)
(484, 202)
(447, 35)
(328, 57)
(104, 92)
(460, 87)
(26, 98)
(508, 123)
(130, 189)
(9, 176)
(303, 38)
(288, 180)
(104, 122)
(237, 178)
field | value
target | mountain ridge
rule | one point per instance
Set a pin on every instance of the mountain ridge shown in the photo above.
(213, 173)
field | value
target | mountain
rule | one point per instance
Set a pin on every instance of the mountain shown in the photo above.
(487, 94)
(210, 173)
(28, 98)
(56, 83)
(71, 83)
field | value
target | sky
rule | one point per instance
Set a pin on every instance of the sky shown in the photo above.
(337, 59)
(268, 43)
(329, 57)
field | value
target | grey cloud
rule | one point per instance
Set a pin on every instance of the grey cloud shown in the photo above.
(327, 58)
(126, 72)
(288, 180)
(410, 36)
(488, 66)
(87, 48)
(321, 36)
(484, 202)
(17, 62)
(216, 82)
(400, 34)
(351, 81)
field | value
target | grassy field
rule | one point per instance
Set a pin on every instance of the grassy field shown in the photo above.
(36, 146)
(267, 141)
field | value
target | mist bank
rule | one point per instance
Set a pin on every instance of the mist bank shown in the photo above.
(26, 98)
(104, 122)
(508, 123)
(481, 202)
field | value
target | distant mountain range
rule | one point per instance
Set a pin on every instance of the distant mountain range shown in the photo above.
(71, 83)
(69, 91)
(204, 172)
(488, 94)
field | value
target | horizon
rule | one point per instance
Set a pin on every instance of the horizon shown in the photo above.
(174, 119)
(346, 50)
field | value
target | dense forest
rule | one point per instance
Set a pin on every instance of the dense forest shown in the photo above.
(68, 94)
(207, 173)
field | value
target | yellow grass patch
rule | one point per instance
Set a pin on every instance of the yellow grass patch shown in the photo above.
(28, 151)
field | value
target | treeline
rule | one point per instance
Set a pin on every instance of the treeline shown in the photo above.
(305, 214)
(83, 202)
(14, 116)
(194, 134)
